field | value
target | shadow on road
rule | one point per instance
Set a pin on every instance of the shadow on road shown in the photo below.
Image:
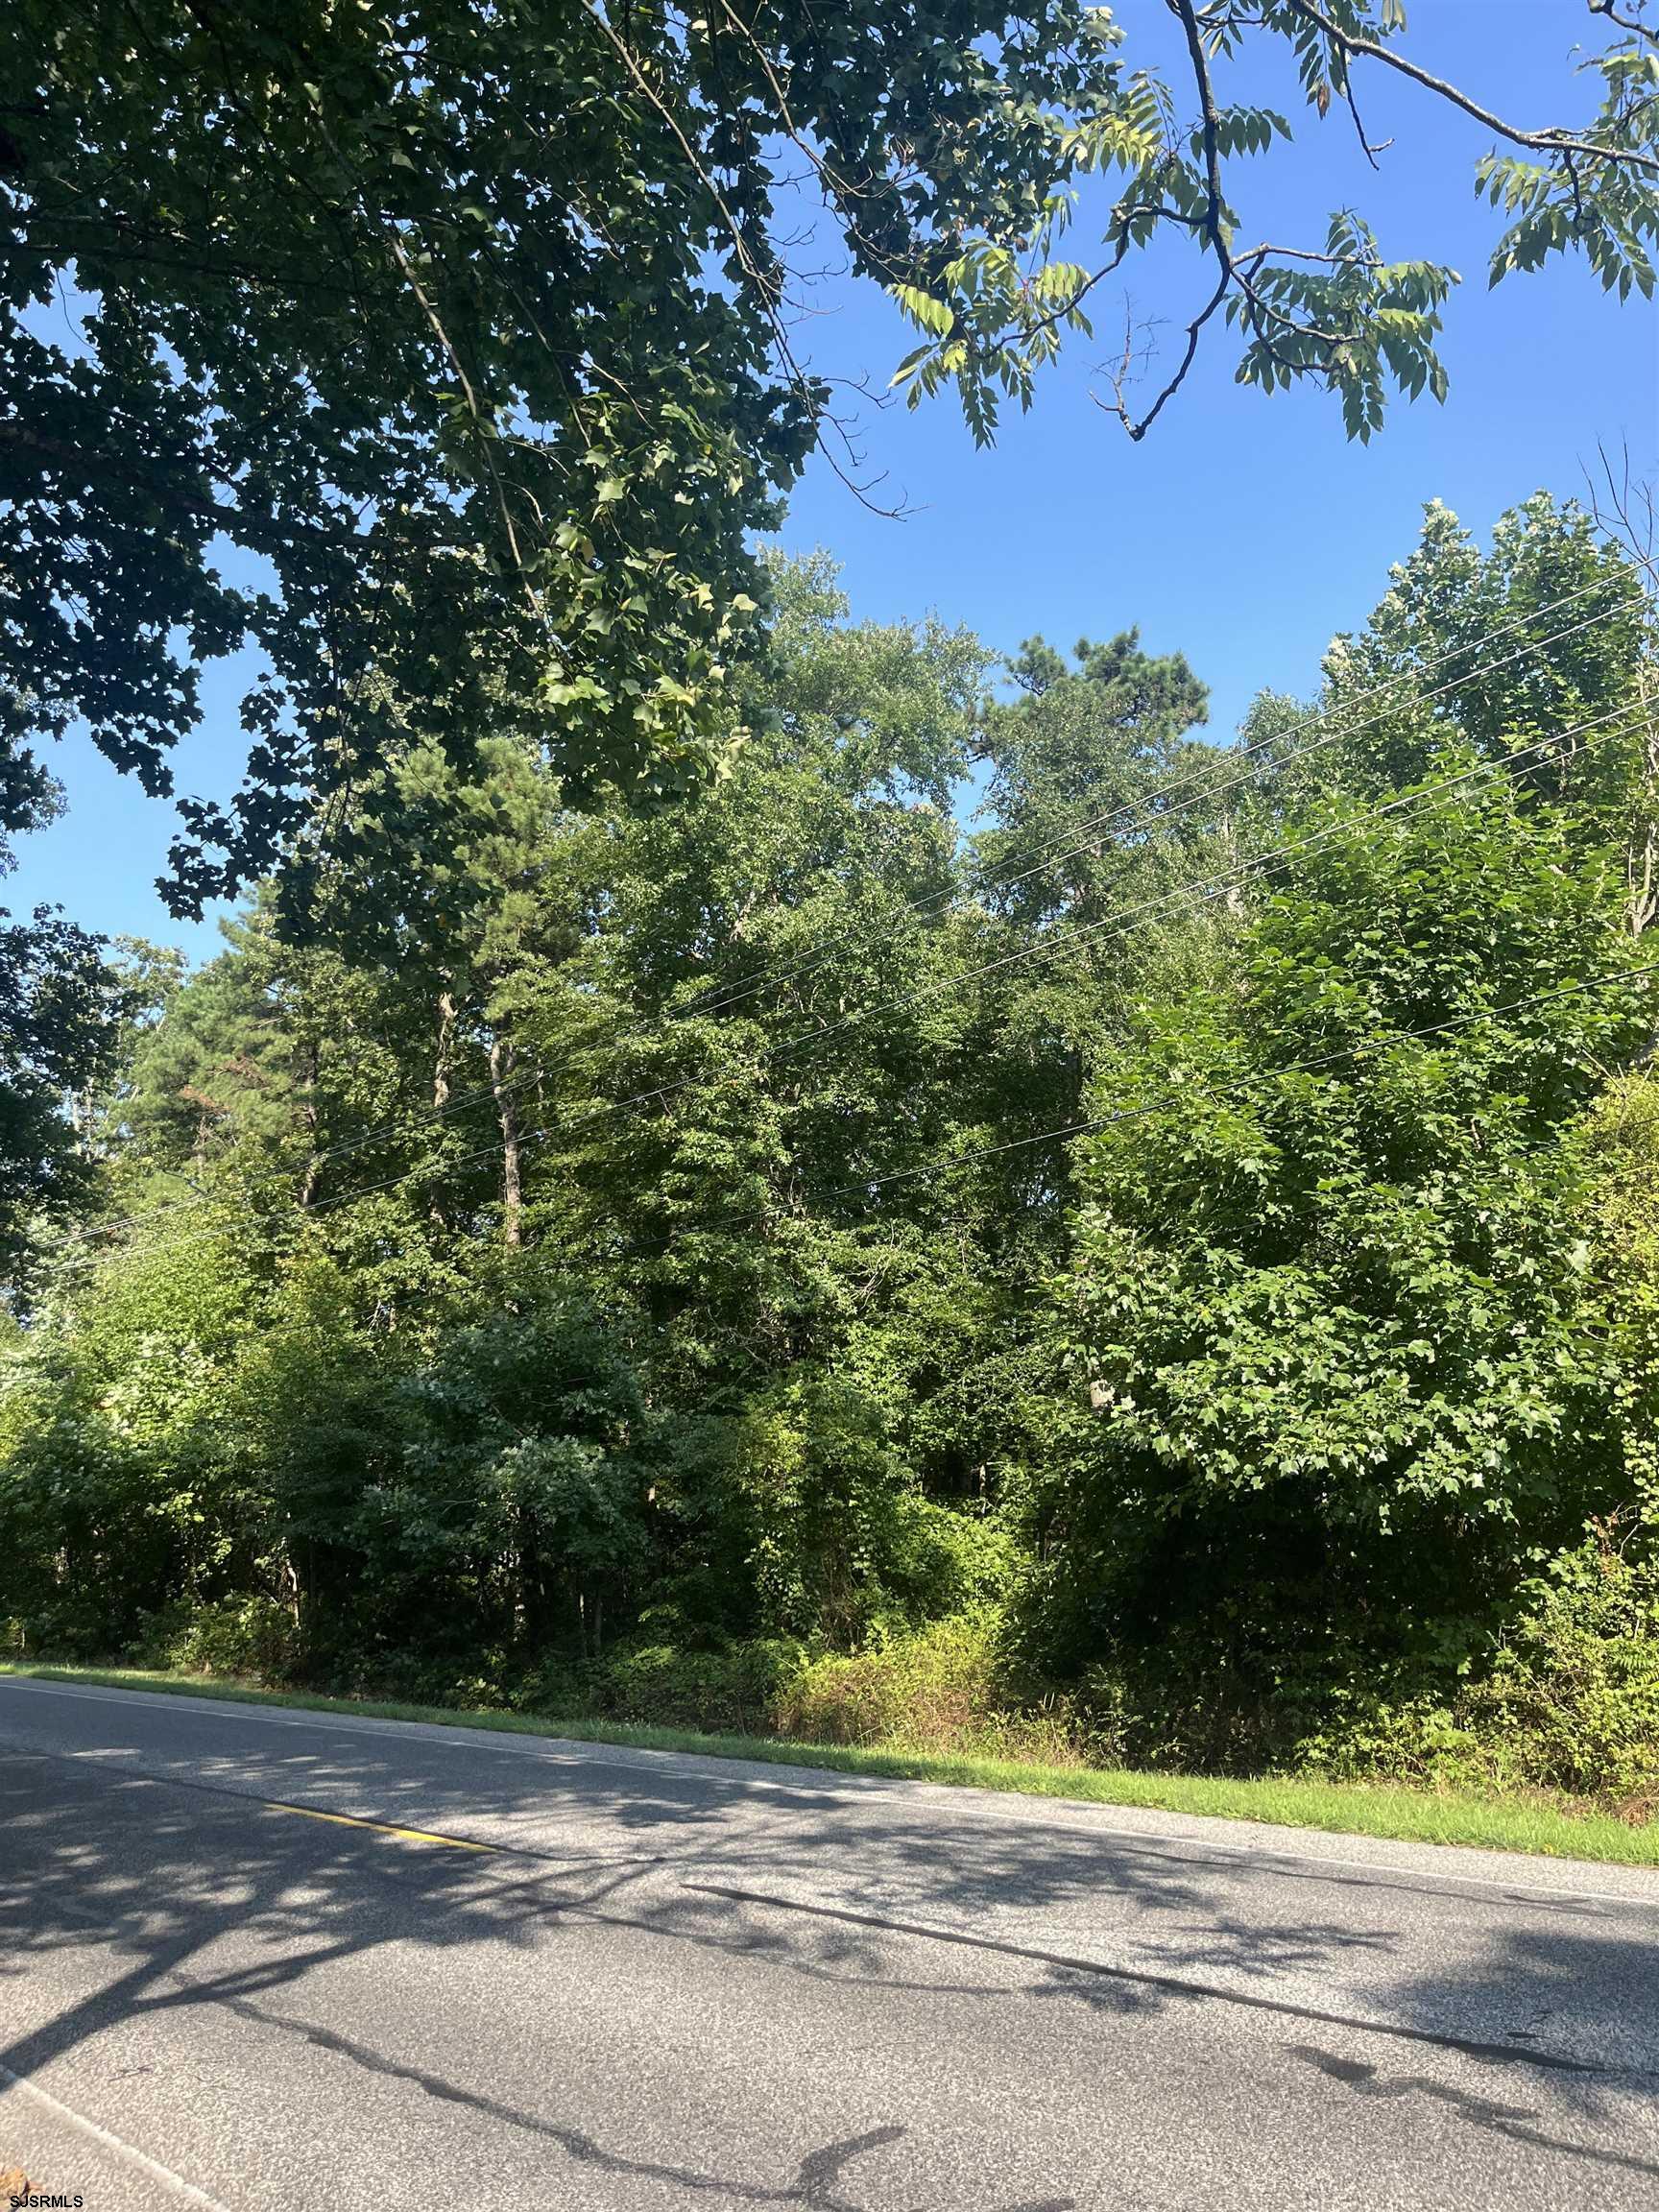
(162, 1872)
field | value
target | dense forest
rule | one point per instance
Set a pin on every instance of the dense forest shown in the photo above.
(1004, 1219)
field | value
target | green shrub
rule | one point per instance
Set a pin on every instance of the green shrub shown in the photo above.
(478, 1678)
(946, 1686)
(249, 1636)
(733, 1692)
(1570, 1701)
(1568, 1704)
(1574, 1697)
(943, 1562)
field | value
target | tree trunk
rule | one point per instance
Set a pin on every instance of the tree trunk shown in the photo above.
(445, 1046)
(507, 1114)
(313, 1165)
(442, 1054)
(1643, 861)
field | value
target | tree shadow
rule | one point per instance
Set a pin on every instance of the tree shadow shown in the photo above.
(159, 1873)
(869, 1888)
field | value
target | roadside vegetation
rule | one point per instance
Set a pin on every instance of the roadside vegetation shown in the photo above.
(1002, 1233)
(1534, 1821)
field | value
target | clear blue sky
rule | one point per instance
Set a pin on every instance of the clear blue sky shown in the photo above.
(1244, 531)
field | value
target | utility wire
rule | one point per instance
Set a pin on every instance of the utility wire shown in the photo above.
(1091, 1125)
(1207, 886)
(1093, 1122)
(1198, 787)
(1112, 925)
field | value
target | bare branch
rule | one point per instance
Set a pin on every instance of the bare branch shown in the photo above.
(1349, 43)
(765, 285)
(1630, 23)
(1630, 512)
(1139, 429)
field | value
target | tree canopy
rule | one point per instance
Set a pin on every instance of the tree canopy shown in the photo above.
(444, 355)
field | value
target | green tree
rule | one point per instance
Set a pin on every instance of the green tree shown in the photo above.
(1331, 1300)
(60, 1010)
(119, 1494)
(516, 1503)
(1098, 807)
(760, 1345)
(1547, 633)
(468, 329)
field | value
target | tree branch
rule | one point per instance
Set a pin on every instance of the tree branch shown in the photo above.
(1349, 43)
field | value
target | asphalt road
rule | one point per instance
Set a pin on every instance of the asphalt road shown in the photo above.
(627, 1982)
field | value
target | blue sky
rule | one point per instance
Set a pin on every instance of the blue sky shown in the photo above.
(1244, 531)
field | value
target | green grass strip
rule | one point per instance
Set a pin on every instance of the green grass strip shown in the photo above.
(1393, 1810)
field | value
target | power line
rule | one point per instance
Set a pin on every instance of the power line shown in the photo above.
(1092, 1123)
(1197, 786)
(1116, 926)
(1176, 1096)
(1279, 857)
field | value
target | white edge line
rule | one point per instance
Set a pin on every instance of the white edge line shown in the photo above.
(1046, 1812)
(163, 2175)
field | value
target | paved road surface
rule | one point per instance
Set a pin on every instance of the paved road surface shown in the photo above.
(628, 1982)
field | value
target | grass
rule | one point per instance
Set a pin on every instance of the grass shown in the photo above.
(1385, 1809)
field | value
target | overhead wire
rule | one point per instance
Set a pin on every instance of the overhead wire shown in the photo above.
(1061, 938)
(1198, 787)
(1092, 1123)
(1277, 857)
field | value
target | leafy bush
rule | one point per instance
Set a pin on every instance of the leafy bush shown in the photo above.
(245, 1636)
(947, 1688)
(1332, 1303)
(942, 1562)
(734, 1692)
(1570, 1701)
(1573, 1699)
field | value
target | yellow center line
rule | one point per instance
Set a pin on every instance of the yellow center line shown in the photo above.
(379, 1827)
